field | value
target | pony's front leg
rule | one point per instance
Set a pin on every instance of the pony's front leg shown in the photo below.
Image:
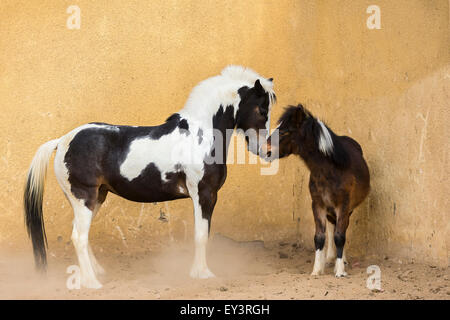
(204, 200)
(320, 217)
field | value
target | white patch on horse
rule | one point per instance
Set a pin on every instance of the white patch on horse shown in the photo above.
(222, 90)
(339, 268)
(325, 140)
(107, 127)
(319, 263)
(239, 73)
(168, 153)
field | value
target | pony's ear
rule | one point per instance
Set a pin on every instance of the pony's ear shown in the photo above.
(297, 117)
(259, 88)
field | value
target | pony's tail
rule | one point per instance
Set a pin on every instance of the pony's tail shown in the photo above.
(32, 199)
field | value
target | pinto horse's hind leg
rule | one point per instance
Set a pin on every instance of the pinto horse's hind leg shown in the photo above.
(97, 267)
(80, 238)
(84, 211)
(204, 200)
(100, 199)
(83, 215)
(320, 217)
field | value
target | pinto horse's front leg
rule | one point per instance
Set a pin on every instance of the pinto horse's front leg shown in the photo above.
(204, 200)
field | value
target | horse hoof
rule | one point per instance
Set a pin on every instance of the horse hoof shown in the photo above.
(92, 284)
(316, 273)
(99, 270)
(202, 274)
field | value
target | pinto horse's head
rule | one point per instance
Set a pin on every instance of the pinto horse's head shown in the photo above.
(253, 116)
(288, 133)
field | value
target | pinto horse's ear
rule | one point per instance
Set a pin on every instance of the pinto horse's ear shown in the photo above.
(270, 79)
(259, 88)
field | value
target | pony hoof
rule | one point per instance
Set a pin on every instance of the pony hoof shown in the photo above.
(341, 275)
(92, 284)
(330, 260)
(202, 274)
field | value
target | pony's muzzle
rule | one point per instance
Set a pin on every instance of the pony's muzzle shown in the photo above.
(265, 150)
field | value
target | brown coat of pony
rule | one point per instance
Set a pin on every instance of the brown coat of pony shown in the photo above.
(339, 179)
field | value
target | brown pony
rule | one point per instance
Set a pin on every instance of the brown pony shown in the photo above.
(338, 183)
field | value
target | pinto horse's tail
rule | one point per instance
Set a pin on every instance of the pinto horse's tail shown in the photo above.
(32, 199)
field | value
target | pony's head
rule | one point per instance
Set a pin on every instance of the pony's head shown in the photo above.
(300, 133)
(290, 132)
(253, 116)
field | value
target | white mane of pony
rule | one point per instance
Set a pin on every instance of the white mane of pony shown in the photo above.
(206, 98)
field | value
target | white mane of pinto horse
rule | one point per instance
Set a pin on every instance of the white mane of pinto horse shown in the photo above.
(149, 164)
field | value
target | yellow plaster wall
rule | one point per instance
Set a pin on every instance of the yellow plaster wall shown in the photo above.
(135, 62)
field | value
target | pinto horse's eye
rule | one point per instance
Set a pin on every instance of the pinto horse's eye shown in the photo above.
(263, 112)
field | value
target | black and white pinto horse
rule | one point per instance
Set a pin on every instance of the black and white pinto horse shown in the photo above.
(149, 164)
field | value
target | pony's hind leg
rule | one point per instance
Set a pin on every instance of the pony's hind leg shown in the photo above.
(331, 248)
(342, 222)
(320, 217)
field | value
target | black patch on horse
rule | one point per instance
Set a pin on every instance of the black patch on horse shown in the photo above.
(95, 155)
(184, 126)
(200, 136)
(223, 120)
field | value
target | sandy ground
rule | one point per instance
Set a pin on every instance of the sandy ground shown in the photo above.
(251, 270)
